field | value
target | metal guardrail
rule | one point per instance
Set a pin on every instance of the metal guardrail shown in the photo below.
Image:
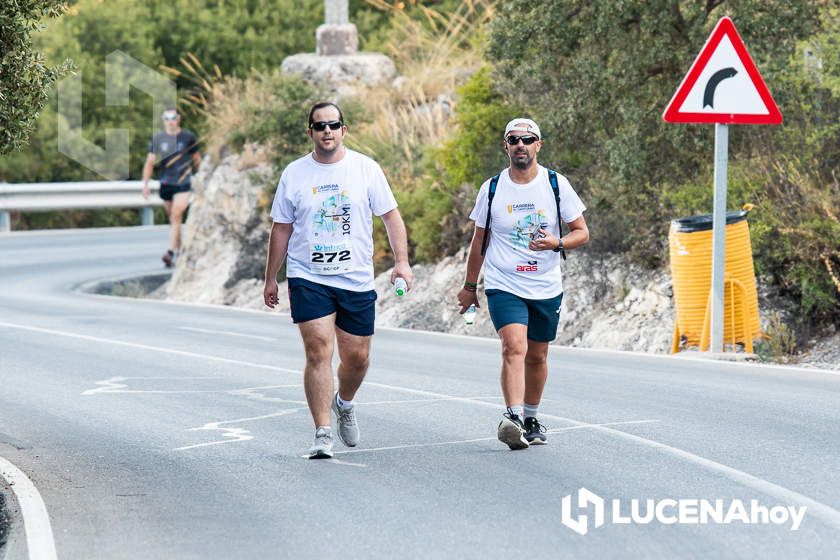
(42, 197)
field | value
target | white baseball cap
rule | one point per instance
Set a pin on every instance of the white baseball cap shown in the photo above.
(523, 125)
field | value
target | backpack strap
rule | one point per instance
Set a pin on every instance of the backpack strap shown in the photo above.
(490, 194)
(552, 178)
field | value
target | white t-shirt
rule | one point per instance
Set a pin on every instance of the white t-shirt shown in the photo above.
(331, 207)
(518, 211)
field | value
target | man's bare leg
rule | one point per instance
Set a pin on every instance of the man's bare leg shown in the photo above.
(176, 217)
(318, 339)
(354, 353)
(514, 346)
(536, 371)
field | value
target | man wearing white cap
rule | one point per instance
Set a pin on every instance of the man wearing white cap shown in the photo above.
(517, 218)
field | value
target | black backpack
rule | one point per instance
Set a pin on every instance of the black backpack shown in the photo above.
(552, 178)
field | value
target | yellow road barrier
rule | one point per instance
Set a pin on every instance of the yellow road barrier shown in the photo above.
(690, 242)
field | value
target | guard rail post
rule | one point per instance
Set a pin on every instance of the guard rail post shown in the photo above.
(147, 216)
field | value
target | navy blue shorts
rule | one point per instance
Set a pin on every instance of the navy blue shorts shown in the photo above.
(540, 315)
(168, 191)
(354, 311)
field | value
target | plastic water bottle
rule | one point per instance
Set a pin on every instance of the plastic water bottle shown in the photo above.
(400, 286)
(469, 315)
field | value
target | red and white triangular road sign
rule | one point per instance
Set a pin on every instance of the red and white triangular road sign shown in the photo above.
(723, 85)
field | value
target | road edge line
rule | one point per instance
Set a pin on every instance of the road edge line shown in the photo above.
(40, 543)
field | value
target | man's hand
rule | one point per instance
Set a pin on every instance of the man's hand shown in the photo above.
(146, 190)
(403, 270)
(546, 242)
(270, 293)
(466, 298)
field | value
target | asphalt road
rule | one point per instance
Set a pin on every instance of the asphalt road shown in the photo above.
(158, 430)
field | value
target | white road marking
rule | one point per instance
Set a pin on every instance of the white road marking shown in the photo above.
(345, 463)
(413, 401)
(149, 347)
(36, 521)
(255, 393)
(116, 385)
(233, 434)
(112, 385)
(819, 510)
(230, 333)
(460, 441)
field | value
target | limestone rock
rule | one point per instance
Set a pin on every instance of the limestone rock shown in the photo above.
(226, 233)
(368, 68)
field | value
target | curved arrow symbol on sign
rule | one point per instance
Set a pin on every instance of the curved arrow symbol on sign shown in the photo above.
(712, 84)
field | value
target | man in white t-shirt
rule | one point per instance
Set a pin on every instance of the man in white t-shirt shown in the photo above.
(323, 229)
(522, 277)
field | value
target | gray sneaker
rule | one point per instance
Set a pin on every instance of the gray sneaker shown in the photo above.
(322, 448)
(348, 430)
(512, 432)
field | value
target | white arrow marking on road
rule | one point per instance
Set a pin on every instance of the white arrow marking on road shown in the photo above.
(116, 385)
(36, 520)
(234, 434)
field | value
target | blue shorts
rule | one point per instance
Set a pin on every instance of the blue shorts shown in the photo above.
(354, 311)
(168, 191)
(539, 315)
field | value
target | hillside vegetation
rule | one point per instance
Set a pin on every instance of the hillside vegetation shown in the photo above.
(596, 75)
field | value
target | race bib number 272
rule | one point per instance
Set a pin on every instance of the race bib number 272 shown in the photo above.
(330, 258)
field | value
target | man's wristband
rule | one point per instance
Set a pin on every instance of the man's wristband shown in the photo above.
(470, 286)
(559, 246)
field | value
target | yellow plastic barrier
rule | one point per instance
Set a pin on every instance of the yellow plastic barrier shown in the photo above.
(690, 242)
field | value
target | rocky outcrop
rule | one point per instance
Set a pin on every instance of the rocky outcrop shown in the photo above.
(607, 304)
(226, 233)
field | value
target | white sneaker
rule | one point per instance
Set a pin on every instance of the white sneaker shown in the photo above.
(348, 430)
(322, 448)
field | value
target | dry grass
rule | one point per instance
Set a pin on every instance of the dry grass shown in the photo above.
(434, 55)
(219, 100)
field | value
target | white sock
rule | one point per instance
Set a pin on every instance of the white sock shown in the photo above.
(342, 404)
(531, 410)
(328, 429)
(516, 409)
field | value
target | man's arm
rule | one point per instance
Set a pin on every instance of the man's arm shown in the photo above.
(278, 245)
(196, 158)
(398, 238)
(578, 235)
(148, 167)
(467, 296)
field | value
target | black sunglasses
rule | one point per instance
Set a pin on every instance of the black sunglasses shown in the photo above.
(527, 140)
(321, 126)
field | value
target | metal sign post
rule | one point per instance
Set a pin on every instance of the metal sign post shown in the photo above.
(719, 236)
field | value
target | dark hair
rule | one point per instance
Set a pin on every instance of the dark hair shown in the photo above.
(322, 105)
